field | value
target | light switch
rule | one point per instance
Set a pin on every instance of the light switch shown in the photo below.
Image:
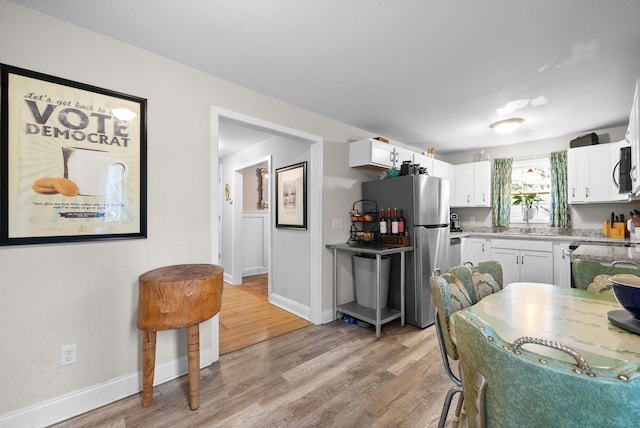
(337, 223)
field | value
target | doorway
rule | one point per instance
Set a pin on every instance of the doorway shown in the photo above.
(308, 302)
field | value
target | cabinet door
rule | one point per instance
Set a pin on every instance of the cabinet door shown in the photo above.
(441, 169)
(463, 188)
(536, 266)
(510, 261)
(424, 162)
(598, 174)
(482, 184)
(590, 174)
(572, 177)
(402, 155)
(370, 152)
(561, 264)
(382, 154)
(475, 250)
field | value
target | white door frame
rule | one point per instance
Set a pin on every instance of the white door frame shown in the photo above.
(314, 201)
(238, 208)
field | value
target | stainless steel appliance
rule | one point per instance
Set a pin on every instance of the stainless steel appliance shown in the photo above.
(455, 251)
(456, 226)
(425, 201)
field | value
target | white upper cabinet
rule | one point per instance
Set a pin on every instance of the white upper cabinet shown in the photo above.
(590, 173)
(424, 162)
(380, 155)
(371, 152)
(472, 185)
(442, 169)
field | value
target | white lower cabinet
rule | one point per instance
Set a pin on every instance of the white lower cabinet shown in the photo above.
(476, 250)
(561, 264)
(533, 264)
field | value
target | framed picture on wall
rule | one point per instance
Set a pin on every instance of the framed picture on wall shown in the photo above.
(72, 161)
(291, 196)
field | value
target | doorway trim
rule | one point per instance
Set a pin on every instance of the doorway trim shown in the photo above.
(235, 277)
(315, 181)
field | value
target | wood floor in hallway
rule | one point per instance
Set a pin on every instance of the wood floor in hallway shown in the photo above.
(247, 318)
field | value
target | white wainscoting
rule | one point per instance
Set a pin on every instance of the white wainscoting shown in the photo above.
(255, 254)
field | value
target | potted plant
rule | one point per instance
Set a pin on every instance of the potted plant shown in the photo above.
(528, 200)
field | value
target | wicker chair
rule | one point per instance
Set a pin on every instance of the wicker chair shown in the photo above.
(456, 289)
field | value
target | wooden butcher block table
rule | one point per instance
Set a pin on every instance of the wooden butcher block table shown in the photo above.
(171, 297)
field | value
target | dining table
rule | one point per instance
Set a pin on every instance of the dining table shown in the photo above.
(551, 348)
(576, 318)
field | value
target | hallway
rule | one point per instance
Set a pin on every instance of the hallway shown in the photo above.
(247, 318)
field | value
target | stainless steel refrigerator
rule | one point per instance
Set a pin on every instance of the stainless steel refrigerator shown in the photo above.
(425, 203)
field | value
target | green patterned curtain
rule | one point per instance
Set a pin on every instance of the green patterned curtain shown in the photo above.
(501, 192)
(560, 215)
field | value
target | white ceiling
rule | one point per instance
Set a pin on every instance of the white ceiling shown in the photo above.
(421, 72)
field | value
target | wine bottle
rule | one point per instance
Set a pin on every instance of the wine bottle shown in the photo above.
(388, 221)
(383, 223)
(394, 222)
(401, 224)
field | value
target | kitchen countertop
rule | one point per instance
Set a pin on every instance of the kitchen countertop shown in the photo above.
(544, 234)
(608, 253)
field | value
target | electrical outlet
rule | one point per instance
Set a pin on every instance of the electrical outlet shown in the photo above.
(68, 355)
(337, 223)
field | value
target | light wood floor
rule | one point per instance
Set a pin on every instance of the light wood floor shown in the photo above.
(332, 375)
(246, 317)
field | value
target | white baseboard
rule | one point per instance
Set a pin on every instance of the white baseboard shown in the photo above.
(328, 316)
(75, 403)
(256, 270)
(290, 306)
(228, 278)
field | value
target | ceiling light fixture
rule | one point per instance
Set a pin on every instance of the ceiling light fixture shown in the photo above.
(506, 126)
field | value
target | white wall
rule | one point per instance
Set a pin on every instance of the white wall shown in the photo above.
(86, 293)
(582, 216)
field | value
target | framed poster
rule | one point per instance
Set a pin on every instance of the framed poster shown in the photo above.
(291, 196)
(72, 161)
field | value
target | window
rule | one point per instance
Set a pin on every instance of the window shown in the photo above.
(540, 184)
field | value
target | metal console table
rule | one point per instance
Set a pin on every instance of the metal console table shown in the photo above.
(377, 316)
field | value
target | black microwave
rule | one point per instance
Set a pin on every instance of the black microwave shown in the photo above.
(624, 171)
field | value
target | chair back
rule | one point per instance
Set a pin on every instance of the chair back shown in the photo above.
(487, 278)
(449, 295)
(594, 276)
(459, 288)
(510, 386)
